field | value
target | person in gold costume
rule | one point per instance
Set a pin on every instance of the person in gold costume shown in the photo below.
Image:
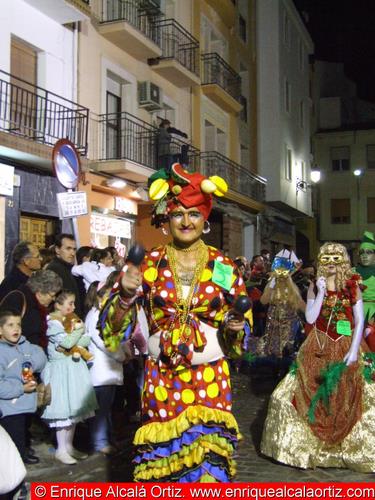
(322, 413)
(191, 291)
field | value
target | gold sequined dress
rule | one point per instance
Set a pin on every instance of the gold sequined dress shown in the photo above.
(342, 433)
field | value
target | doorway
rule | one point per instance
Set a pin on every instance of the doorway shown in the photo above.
(38, 230)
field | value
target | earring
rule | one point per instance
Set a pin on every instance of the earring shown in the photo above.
(207, 227)
(164, 230)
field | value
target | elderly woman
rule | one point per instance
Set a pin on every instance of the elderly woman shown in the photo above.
(188, 432)
(321, 414)
(31, 300)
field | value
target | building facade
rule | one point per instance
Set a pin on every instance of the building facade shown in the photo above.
(344, 150)
(284, 109)
(104, 73)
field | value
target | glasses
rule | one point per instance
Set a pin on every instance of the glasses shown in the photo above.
(366, 251)
(331, 259)
(178, 216)
(34, 256)
(51, 295)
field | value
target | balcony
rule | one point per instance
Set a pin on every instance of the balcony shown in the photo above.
(226, 10)
(63, 11)
(35, 114)
(239, 179)
(179, 61)
(130, 25)
(128, 147)
(221, 83)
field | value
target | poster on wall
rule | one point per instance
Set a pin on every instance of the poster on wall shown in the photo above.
(6, 180)
(110, 226)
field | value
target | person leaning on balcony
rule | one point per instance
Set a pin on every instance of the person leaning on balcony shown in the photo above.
(26, 259)
(164, 139)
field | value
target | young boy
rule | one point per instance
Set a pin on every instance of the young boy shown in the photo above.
(19, 359)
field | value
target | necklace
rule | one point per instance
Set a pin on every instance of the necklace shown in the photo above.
(192, 248)
(322, 346)
(183, 305)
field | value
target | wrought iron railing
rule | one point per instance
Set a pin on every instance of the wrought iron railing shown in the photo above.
(216, 70)
(126, 137)
(40, 115)
(135, 12)
(177, 43)
(238, 178)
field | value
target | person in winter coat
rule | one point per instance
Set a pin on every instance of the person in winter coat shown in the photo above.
(19, 360)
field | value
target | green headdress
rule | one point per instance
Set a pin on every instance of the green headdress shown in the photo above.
(368, 241)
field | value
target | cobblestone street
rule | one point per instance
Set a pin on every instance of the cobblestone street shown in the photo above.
(250, 404)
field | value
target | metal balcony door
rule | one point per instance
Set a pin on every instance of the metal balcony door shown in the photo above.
(113, 128)
(23, 97)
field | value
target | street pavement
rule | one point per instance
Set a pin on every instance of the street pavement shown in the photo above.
(250, 398)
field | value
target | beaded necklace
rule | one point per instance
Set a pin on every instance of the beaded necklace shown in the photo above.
(183, 305)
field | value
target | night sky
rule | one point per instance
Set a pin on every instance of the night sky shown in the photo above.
(344, 31)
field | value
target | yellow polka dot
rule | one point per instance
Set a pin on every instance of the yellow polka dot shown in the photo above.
(208, 374)
(170, 376)
(187, 396)
(225, 368)
(173, 403)
(151, 274)
(220, 378)
(170, 413)
(161, 393)
(206, 275)
(171, 295)
(185, 376)
(176, 334)
(213, 390)
(229, 384)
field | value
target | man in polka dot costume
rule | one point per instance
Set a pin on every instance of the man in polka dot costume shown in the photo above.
(188, 433)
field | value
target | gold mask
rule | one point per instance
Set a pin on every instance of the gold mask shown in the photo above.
(326, 259)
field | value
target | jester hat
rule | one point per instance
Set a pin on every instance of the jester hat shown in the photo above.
(368, 241)
(180, 187)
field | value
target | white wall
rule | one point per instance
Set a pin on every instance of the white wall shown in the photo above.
(278, 62)
(53, 41)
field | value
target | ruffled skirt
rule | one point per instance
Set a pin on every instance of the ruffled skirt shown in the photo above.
(189, 433)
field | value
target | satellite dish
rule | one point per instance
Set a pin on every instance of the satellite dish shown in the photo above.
(66, 163)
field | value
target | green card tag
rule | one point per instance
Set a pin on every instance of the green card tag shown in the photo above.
(222, 275)
(343, 327)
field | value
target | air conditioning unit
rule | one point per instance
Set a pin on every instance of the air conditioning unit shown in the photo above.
(149, 96)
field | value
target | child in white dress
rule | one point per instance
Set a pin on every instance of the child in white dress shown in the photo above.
(73, 397)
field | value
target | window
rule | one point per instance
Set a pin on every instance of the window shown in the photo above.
(288, 96)
(371, 156)
(245, 160)
(286, 30)
(340, 158)
(302, 114)
(243, 113)
(242, 28)
(371, 210)
(301, 55)
(288, 164)
(340, 211)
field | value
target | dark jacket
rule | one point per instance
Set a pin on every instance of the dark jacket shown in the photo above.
(13, 280)
(64, 270)
(34, 321)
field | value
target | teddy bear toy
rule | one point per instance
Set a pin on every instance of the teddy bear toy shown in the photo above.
(72, 323)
